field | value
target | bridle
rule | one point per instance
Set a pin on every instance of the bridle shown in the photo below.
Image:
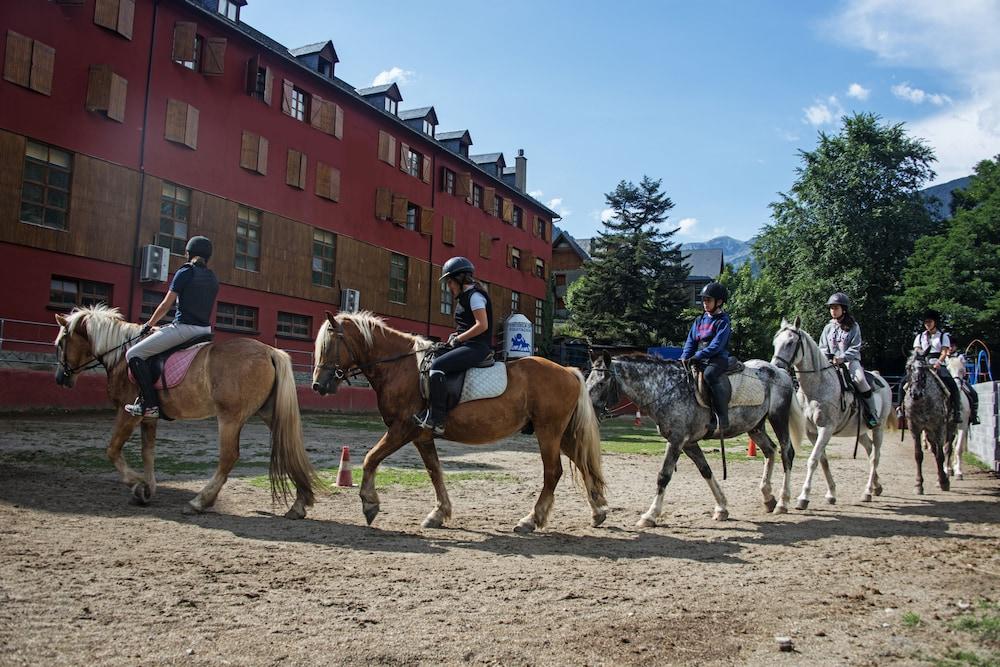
(98, 359)
(799, 348)
(605, 411)
(353, 369)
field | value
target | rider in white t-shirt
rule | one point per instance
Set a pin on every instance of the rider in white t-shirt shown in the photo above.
(936, 345)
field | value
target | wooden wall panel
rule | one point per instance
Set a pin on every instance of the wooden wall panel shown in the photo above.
(11, 170)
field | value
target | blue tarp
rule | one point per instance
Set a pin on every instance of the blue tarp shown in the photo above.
(665, 352)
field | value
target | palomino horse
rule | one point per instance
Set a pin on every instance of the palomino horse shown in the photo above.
(960, 443)
(928, 413)
(539, 392)
(663, 390)
(830, 411)
(232, 380)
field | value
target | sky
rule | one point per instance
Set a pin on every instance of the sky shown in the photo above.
(714, 98)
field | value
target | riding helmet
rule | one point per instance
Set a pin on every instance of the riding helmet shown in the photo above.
(456, 266)
(839, 299)
(931, 314)
(199, 246)
(717, 291)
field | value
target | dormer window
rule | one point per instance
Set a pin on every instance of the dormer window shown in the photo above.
(325, 67)
(230, 9)
(391, 105)
(428, 128)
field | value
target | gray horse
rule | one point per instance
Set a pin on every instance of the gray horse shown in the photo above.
(927, 412)
(664, 390)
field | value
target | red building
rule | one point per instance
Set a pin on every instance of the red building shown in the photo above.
(134, 123)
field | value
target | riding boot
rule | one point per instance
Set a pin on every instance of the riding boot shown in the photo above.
(973, 405)
(721, 393)
(148, 403)
(870, 410)
(956, 405)
(433, 417)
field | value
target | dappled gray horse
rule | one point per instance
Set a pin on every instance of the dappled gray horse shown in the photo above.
(664, 390)
(927, 412)
(829, 409)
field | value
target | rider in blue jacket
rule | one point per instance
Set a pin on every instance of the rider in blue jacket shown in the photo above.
(707, 346)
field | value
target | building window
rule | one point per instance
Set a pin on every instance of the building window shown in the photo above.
(239, 318)
(67, 293)
(539, 267)
(515, 258)
(150, 300)
(412, 215)
(515, 302)
(477, 196)
(414, 163)
(518, 217)
(428, 128)
(194, 65)
(539, 316)
(560, 304)
(324, 251)
(540, 227)
(560, 280)
(497, 206)
(300, 104)
(260, 84)
(247, 239)
(398, 269)
(175, 210)
(45, 188)
(447, 299)
(294, 326)
(325, 67)
(229, 9)
(449, 181)
(390, 105)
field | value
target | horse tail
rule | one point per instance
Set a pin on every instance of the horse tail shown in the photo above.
(581, 441)
(891, 422)
(796, 422)
(288, 453)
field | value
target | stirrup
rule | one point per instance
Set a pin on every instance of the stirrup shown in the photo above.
(425, 421)
(136, 409)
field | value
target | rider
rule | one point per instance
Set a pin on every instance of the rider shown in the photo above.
(707, 345)
(962, 378)
(194, 288)
(933, 341)
(471, 342)
(841, 343)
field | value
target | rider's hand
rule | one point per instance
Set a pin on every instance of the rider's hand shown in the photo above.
(146, 328)
(838, 361)
(453, 340)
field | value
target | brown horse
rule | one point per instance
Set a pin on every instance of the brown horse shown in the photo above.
(553, 399)
(232, 380)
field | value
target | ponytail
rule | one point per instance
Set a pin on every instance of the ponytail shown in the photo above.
(847, 321)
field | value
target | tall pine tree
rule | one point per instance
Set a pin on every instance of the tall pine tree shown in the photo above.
(633, 291)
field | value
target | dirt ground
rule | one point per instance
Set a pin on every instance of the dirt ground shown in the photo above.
(87, 578)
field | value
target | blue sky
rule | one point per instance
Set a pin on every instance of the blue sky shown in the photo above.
(714, 98)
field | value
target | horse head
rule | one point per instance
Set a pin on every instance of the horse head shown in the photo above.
(916, 375)
(602, 384)
(788, 344)
(334, 359)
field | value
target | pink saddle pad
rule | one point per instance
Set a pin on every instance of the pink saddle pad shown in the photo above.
(176, 367)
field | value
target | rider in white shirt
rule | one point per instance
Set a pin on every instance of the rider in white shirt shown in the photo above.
(936, 345)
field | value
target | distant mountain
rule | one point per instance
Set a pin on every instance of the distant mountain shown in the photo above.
(734, 251)
(943, 195)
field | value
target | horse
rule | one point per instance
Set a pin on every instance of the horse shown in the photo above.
(960, 442)
(540, 394)
(829, 409)
(663, 390)
(928, 412)
(231, 380)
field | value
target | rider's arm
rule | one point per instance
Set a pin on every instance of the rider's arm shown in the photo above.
(719, 341)
(690, 342)
(945, 347)
(162, 309)
(852, 345)
(824, 342)
(481, 325)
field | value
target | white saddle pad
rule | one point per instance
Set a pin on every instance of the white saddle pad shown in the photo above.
(484, 383)
(747, 390)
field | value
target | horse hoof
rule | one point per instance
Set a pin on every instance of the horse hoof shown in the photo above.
(959, 476)
(831, 500)
(802, 504)
(769, 505)
(295, 513)
(141, 493)
(866, 498)
(645, 522)
(524, 527)
(191, 509)
(919, 490)
(781, 509)
(432, 522)
(371, 511)
(878, 490)
(720, 515)
(599, 518)
(945, 486)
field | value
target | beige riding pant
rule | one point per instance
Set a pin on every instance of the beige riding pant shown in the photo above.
(858, 376)
(165, 338)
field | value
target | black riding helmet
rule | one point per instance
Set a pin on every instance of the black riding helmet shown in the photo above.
(931, 314)
(456, 267)
(199, 246)
(839, 299)
(717, 291)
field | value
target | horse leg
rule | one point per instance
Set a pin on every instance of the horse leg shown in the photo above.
(960, 445)
(818, 452)
(229, 453)
(428, 452)
(124, 425)
(694, 453)
(918, 456)
(548, 441)
(877, 436)
(942, 448)
(143, 491)
(831, 486)
(767, 447)
(392, 440)
(781, 431)
(872, 453)
(648, 520)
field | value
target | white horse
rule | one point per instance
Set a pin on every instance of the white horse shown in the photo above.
(829, 410)
(956, 366)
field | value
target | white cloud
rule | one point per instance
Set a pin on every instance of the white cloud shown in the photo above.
(787, 135)
(392, 75)
(858, 92)
(686, 226)
(905, 91)
(537, 194)
(957, 41)
(823, 112)
(556, 204)
(602, 215)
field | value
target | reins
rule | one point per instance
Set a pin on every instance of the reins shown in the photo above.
(98, 359)
(355, 369)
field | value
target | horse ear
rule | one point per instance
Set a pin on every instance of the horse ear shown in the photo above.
(61, 321)
(329, 317)
(606, 356)
(798, 321)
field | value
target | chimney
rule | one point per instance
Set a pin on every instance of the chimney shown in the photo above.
(520, 170)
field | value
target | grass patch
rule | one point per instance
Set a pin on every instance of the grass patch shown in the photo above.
(371, 423)
(967, 659)
(408, 478)
(984, 622)
(623, 437)
(911, 619)
(88, 462)
(971, 460)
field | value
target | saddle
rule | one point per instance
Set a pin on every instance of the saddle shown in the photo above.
(169, 367)
(487, 379)
(875, 381)
(746, 388)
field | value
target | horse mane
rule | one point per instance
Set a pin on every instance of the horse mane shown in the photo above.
(813, 347)
(107, 330)
(368, 323)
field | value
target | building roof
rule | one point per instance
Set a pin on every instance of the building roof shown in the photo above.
(706, 263)
(585, 245)
(561, 235)
(509, 170)
(423, 112)
(310, 49)
(462, 135)
(388, 89)
(488, 158)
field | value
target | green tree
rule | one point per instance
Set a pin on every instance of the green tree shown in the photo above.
(633, 291)
(753, 311)
(849, 224)
(958, 271)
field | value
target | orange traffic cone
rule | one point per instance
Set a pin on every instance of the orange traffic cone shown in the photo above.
(638, 418)
(752, 448)
(344, 473)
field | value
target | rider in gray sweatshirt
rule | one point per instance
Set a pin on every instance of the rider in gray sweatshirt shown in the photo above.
(841, 343)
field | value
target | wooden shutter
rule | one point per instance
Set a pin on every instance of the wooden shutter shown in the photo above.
(528, 262)
(485, 245)
(427, 221)
(184, 36)
(43, 62)
(534, 226)
(181, 123)
(463, 185)
(116, 101)
(106, 14)
(510, 255)
(191, 128)
(126, 17)
(253, 153)
(508, 210)
(327, 182)
(404, 156)
(17, 60)
(338, 121)
(268, 85)
(262, 156)
(316, 107)
(295, 170)
(489, 197)
(214, 61)
(386, 147)
(427, 169)
(448, 231)
(383, 203)
(106, 91)
(286, 96)
(548, 231)
(253, 66)
(399, 205)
